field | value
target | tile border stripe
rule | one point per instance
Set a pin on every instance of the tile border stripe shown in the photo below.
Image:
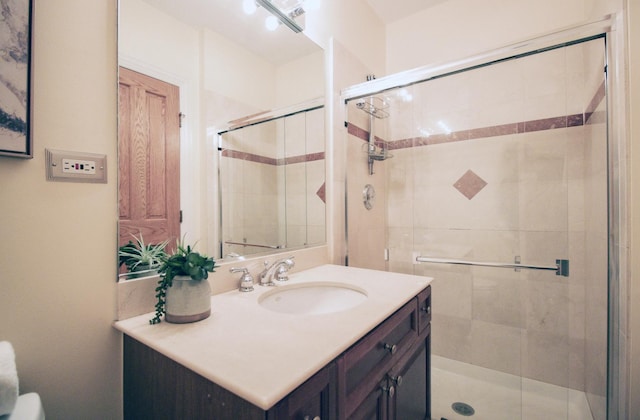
(234, 154)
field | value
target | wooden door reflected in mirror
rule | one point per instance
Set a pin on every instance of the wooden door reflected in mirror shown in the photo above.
(148, 159)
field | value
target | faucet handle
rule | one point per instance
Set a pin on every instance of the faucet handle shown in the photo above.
(246, 281)
(282, 273)
(289, 261)
(283, 268)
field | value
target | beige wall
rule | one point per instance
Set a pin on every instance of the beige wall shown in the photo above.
(57, 254)
(456, 29)
(356, 27)
(346, 70)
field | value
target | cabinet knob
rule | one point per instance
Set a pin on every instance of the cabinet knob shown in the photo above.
(426, 310)
(396, 379)
(392, 348)
(391, 390)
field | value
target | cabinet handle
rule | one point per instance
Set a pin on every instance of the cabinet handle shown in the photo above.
(396, 379)
(392, 348)
(391, 390)
(426, 310)
(310, 418)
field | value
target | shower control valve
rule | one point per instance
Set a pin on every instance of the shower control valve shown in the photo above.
(368, 196)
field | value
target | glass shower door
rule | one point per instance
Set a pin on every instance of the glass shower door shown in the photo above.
(502, 164)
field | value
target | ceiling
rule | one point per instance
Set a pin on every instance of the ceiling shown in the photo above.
(227, 18)
(391, 10)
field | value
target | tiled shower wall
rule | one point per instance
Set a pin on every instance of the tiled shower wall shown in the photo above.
(302, 166)
(249, 185)
(502, 161)
(272, 182)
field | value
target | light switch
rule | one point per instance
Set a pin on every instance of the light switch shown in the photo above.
(76, 166)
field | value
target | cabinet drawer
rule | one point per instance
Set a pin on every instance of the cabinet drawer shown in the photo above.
(424, 309)
(365, 364)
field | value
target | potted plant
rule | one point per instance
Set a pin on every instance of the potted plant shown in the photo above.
(138, 256)
(183, 292)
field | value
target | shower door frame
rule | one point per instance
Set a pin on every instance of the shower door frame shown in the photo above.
(611, 28)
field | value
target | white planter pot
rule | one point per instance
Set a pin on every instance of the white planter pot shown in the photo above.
(187, 300)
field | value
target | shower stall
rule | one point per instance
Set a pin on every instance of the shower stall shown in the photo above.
(492, 178)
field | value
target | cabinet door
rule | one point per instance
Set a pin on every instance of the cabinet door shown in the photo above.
(157, 388)
(367, 362)
(410, 378)
(374, 406)
(313, 400)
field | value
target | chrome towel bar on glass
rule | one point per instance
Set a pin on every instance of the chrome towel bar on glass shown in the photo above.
(256, 245)
(561, 268)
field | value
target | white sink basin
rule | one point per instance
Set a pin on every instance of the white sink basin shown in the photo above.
(312, 298)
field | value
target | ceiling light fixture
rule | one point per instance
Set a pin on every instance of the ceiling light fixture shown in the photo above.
(249, 6)
(271, 23)
(286, 18)
(310, 5)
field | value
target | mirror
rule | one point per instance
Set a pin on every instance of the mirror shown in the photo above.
(272, 184)
(235, 80)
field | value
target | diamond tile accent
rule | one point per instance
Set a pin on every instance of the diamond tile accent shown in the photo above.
(321, 193)
(470, 184)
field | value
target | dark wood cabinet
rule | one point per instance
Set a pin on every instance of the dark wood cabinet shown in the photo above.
(385, 375)
(410, 381)
(374, 405)
(313, 400)
(411, 376)
(156, 387)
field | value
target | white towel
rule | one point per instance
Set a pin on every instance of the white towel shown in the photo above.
(8, 378)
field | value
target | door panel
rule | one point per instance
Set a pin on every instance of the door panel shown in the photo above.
(411, 381)
(148, 158)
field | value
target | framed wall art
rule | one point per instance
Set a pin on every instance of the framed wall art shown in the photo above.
(15, 78)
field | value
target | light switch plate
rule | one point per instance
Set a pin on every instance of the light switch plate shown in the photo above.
(75, 166)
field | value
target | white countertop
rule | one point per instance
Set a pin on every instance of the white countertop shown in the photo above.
(262, 355)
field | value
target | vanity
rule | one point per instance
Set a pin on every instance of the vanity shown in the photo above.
(253, 359)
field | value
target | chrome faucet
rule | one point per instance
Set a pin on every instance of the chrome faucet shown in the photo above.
(279, 269)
